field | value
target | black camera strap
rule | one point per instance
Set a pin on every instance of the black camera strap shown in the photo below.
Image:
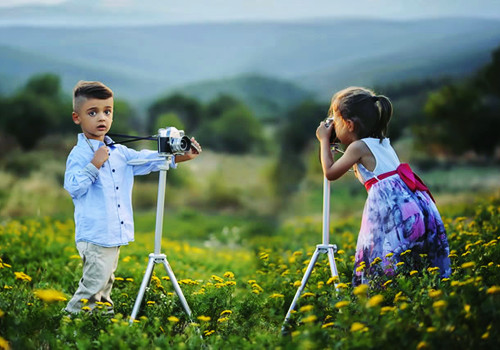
(129, 138)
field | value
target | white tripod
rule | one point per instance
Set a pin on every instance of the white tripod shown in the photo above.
(324, 248)
(157, 257)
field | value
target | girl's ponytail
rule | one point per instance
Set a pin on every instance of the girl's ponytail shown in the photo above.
(384, 106)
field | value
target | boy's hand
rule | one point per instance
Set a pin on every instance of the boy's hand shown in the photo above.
(193, 152)
(195, 149)
(100, 156)
(323, 132)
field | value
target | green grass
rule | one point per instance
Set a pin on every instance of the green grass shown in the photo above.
(240, 292)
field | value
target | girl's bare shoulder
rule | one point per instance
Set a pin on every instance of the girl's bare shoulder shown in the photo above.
(359, 148)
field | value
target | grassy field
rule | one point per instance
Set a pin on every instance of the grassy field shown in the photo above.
(240, 283)
(239, 263)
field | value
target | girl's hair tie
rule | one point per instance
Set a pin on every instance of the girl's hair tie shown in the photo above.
(375, 99)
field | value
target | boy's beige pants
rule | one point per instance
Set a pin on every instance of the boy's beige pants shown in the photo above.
(99, 265)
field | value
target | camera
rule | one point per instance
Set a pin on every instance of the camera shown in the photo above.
(173, 141)
(333, 135)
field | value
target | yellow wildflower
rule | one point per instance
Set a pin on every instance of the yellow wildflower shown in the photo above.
(375, 300)
(22, 276)
(386, 309)
(228, 274)
(309, 319)
(4, 344)
(308, 294)
(422, 345)
(401, 263)
(341, 304)
(342, 285)
(361, 289)
(358, 326)
(207, 333)
(413, 272)
(405, 252)
(326, 325)
(50, 295)
(493, 290)
(204, 318)
(306, 308)
(435, 293)
(387, 283)
(173, 319)
(86, 308)
(439, 304)
(333, 279)
(226, 312)
(468, 264)
(217, 279)
(276, 295)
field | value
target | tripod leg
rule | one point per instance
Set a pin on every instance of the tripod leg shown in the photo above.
(331, 259)
(303, 283)
(142, 289)
(177, 287)
(333, 265)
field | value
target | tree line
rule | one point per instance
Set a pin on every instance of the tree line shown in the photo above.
(441, 115)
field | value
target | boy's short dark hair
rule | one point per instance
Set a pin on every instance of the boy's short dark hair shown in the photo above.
(90, 89)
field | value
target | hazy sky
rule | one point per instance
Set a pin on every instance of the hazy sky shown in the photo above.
(172, 11)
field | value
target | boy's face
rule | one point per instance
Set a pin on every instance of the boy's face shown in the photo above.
(95, 117)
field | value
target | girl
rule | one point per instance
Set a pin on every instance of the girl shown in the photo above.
(400, 217)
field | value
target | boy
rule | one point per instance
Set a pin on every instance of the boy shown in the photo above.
(100, 182)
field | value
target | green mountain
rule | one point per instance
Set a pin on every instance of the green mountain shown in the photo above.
(267, 97)
(142, 62)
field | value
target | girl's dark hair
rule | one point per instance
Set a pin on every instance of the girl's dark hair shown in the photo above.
(370, 113)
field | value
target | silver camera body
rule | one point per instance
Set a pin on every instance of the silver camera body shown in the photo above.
(172, 141)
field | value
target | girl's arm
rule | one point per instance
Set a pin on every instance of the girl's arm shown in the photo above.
(334, 169)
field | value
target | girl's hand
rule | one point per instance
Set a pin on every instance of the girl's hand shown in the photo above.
(323, 132)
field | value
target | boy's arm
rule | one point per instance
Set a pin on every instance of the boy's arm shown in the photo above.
(79, 176)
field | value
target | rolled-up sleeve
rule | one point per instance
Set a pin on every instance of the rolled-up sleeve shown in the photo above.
(79, 177)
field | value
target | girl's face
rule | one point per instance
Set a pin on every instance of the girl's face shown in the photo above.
(344, 128)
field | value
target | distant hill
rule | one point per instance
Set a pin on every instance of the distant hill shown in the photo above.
(266, 96)
(143, 62)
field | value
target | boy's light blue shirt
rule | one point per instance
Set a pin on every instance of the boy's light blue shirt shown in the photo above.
(103, 197)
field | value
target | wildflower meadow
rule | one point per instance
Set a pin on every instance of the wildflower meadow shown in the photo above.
(239, 295)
